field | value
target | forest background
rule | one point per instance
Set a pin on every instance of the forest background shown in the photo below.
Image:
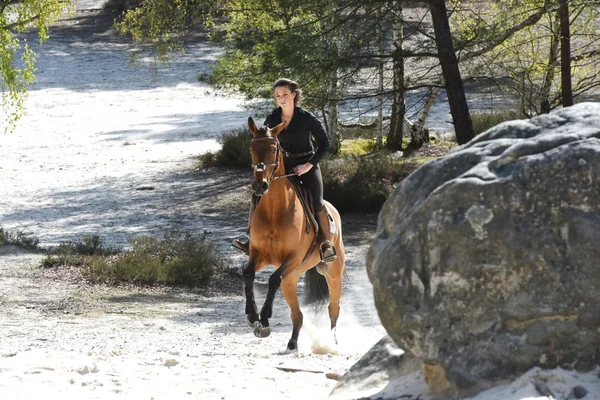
(364, 60)
(365, 56)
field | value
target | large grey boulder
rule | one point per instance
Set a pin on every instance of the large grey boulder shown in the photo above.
(486, 261)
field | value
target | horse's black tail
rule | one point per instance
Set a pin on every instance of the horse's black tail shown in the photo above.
(316, 292)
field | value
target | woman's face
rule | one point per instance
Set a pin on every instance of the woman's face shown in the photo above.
(284, 96)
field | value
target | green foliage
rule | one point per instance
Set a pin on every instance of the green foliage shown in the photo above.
(482, 121)
(320, 43)
(17, 60)
(20, 239)
(177, 258)
(362, 184)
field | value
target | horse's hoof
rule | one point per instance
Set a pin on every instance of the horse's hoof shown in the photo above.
(292, 345)
(262, 331)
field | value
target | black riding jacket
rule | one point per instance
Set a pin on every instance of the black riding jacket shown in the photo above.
(297, 137)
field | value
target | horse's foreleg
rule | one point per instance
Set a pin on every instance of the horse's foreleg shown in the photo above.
(289, 287)
(251, 310)
(263, 330)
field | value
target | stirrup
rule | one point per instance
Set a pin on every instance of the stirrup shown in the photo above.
(242, 243)
(327, 252)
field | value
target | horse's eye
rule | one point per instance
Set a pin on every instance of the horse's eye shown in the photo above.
(274, 150)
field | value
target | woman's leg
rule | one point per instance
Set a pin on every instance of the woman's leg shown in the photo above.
(242, 242)
(314, 181)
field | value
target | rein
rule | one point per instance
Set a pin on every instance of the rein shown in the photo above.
(283, 176)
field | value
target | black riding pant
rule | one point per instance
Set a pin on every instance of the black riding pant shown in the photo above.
(312, 180)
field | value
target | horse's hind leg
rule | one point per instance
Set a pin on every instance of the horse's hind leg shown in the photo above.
(289, 287)
(263, 330)
(334, 283)
(251, 310)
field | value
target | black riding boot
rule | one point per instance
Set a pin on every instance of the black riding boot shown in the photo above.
(242, 242)
(327, 250)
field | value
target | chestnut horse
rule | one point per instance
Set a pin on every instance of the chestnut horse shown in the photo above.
(282, 236)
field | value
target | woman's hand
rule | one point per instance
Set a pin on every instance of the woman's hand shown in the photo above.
(302, 169)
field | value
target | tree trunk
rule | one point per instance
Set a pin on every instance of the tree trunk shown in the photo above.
(565, 53)
(394, 138)
(332, 106)
(379, 142)
(418, 135)
(545, 105)
(463, 126)
(332, 127)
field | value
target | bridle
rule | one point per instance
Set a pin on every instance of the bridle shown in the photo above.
(261, 166)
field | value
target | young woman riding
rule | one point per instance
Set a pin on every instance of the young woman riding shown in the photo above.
(300, 157)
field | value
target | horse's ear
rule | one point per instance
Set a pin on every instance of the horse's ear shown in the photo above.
(277, 129)
(252, 126)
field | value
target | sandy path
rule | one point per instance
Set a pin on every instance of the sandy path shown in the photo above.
(95, 132)
(73, 341)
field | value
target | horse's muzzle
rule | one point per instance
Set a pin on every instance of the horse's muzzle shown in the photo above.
(260, 188)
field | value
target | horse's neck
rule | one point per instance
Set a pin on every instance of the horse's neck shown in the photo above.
(281, 192)
(281, 195)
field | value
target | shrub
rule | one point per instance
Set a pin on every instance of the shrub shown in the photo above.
(208, 160)
(20, 239)
(79, 252)
(177, 258)
(482, 121)
(235, 148)
(362, 184)
(91, 245)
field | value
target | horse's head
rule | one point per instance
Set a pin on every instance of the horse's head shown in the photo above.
(266, 155)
